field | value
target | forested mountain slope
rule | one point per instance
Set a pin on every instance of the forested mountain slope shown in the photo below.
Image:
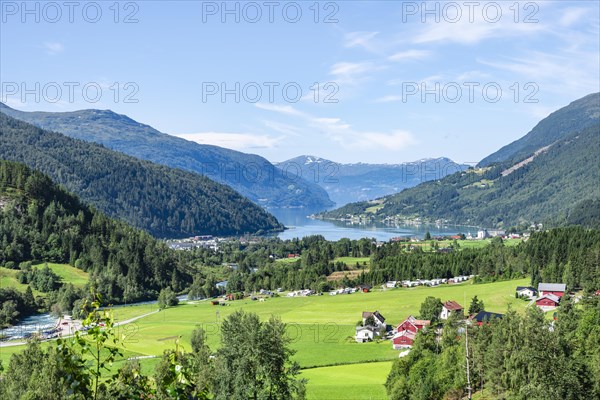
(164, 201)
(559, 185)
(558, 125)
(251, 175)
(41, 221)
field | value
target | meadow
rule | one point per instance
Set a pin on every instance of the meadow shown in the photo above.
(66, 272)
(321, 329)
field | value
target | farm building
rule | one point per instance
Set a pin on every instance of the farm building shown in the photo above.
(547, 302)
(403, 340)
(412, 324)
(364, 288)
(557, 289)
(377, 317)
(484, 316)
(450, 307)
(407, 331)
(365, 333)
(526, 291)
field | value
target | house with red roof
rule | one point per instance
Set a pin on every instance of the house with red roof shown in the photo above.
(450, 307)
(412, 324)
(403, 340)
(407, 331)
(547, 302)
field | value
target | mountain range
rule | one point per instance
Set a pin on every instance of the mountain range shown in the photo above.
(251, 175)
(347, 183)
(551, 176)
(167, 202)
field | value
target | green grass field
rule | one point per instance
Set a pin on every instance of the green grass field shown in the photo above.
(320, 327)
(8, 279)
(356, 381)
(351, 261)
(67, 273)
(465, 244)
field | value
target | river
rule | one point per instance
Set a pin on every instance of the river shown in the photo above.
(296, 219)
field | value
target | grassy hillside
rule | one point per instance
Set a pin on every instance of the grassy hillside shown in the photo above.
(164, 201)
(550, 189)
(67, 273)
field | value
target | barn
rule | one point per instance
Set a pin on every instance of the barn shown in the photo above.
(557, 289)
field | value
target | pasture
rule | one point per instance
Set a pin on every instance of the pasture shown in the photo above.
(321, 330)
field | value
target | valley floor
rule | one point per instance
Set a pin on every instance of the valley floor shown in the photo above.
(321, 329)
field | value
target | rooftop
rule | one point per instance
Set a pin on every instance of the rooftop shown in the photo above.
(552, 287)
(452, 306)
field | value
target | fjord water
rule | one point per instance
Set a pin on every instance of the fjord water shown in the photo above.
(296, 219)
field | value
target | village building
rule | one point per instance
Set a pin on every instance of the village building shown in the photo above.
(412, 324)
(364, 288)
(547, 302)
(526, 291)
(370, 329)
(365, 333)
(484, 317)
(557, 289)
(403, 340)
(451, 307)
(377, 317)
(407, 331)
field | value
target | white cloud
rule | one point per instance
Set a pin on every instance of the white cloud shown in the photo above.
(53, 48)
(353, 73)
(344, 135)
(572, 15)
(388, 99)
(235, 141)
(361, 39)
(288, 110)
(409, 55)
(473, 32)
(570, 72)
(396, 140)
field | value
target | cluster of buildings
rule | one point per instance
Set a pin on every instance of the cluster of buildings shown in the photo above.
(547, 296)
(203, 241)
(301, 293)
(403, 335)
(427, 282)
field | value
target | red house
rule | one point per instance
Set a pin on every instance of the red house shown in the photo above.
(412, 324)
(547, 301)
(403, 340)
(557, 289)
(407, 331)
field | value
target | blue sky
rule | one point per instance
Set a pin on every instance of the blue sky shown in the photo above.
(372, 59)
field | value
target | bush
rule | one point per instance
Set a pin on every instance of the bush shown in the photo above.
(167, 298)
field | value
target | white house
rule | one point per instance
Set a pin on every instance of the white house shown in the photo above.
(364, 334)
(450, 307)
(391, 284)
(482, 234)
(526, 291)
(377, 317)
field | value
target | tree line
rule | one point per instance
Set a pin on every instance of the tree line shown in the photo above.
(516, 357)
